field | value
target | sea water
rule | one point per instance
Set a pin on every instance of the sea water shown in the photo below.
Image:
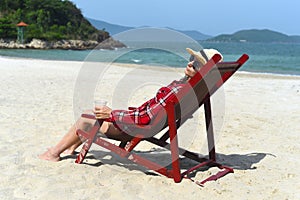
(264, 57)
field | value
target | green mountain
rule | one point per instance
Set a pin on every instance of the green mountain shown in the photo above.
(254, 35)
(111, 28)
(48, 20)
(115, 29)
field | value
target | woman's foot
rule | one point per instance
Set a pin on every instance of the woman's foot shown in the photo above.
(69, 152)
(50, 156)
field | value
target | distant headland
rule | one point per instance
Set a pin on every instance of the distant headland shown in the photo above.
(255, 35)
(251, 35)
(49, 24)
(109, 44)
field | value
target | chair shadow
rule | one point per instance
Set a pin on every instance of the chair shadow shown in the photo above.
(242, 161)
(97, 158)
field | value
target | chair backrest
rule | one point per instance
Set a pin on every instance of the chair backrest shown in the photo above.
(205, 83)
(207, 80)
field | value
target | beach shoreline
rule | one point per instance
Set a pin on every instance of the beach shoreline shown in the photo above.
(258, 137)
(130, 65)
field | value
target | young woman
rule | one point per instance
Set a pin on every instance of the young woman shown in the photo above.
(116, 122)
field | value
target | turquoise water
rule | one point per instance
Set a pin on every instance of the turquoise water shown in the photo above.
(264, 58)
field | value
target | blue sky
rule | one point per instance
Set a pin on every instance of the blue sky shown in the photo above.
(207, 16)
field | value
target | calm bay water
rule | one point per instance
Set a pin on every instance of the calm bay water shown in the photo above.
(264, 58)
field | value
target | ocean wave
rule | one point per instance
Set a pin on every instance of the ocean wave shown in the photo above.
(137, 60)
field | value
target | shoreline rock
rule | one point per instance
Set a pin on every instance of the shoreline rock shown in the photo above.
(63, 44)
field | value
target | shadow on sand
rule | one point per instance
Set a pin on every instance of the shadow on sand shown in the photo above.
(97, 158)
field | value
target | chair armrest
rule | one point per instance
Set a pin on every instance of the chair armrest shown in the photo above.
(88, 116)
(131, 108)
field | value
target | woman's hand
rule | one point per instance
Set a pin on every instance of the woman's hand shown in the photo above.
(102, 112)
(189, 70)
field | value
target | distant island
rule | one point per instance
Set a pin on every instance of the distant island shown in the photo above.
(255, 35)
(49, 24)
(115, 29)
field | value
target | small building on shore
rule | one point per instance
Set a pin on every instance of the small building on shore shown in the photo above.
(21, 26)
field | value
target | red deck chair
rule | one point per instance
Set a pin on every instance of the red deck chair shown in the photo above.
(176, 111)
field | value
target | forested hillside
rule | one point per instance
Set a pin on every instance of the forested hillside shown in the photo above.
(254, 35)
(49, 20)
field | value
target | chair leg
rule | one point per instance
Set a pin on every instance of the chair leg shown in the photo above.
(173, 143)
(122, 145)
(132, 143)
(90, 136)
(209, 130)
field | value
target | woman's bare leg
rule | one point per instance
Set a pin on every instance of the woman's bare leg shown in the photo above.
(69, 140)
(71, 149)
(110, 131)
(107, 129)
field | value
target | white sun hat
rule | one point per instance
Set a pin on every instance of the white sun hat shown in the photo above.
(204, 55)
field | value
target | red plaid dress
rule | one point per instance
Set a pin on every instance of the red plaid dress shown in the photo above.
(142, 115)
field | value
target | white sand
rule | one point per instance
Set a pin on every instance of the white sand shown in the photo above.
(259, 138)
